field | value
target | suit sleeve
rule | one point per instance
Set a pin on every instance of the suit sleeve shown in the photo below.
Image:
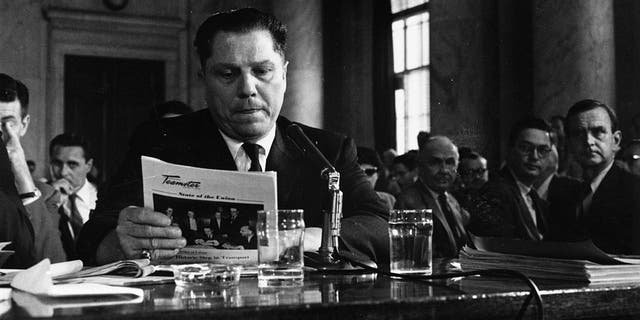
(364, 226)
(123, 189)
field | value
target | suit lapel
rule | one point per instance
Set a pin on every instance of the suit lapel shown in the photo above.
(437, 214)
(284, 159)
(523, 215)
(207, 145)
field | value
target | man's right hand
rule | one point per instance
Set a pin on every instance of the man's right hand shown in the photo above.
(144, 229)
(63, 186)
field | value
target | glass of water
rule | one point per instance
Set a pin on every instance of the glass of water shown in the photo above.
(280, 248)
(410, 234)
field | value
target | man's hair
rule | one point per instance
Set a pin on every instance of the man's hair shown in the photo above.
(589, 104)
(169, 107)
(470, 155)
(12, 89)
(369, 156)
(409, 160)
(527, 123)
(240, 21)
(70, 140)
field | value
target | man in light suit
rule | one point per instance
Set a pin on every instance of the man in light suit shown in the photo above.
(242, 54)
(508, 205)
(437, 165)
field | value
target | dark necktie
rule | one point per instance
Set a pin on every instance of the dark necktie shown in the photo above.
(75, 219)
(253, 151)
(585, 192)
(448, 214)
(537, 207)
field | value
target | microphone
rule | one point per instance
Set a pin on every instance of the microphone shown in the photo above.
(308, 148)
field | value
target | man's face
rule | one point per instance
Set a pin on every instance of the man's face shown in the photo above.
(245, 81)
(245, 231)
(371, 172)
(69, 163)
(190, 214)
(591, 138)
(438, 162)
(403, 175)
(527, 158)
(473, 172)
(208, 232)
(632, 158)
(234, 213)
(218, 215)
(11, 117)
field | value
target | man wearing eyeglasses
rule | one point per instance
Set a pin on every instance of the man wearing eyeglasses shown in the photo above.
(608, 206)
(508, 205)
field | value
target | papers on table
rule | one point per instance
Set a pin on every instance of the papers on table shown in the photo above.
(571, 261)
(36, 292)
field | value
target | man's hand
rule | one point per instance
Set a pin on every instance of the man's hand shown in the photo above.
(63, 186)
(144, 229)
(10, 135)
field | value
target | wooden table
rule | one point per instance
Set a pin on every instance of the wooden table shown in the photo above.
(367, 296)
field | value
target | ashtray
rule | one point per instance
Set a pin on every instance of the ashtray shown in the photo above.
(206, 275)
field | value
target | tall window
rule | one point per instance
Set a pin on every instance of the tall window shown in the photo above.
(410, 29)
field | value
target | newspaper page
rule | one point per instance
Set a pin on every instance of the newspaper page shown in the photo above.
(215, 209)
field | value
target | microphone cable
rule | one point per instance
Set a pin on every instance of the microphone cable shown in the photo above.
(534, 292)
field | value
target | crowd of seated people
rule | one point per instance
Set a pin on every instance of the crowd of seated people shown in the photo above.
(558, 182)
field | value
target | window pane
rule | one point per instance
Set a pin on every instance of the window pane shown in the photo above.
(425, 39)
(400, 5)
(400, 119)
(397, 28)
(414, 41)
(416, 114)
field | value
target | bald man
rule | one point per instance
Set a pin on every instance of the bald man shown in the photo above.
(437, 166)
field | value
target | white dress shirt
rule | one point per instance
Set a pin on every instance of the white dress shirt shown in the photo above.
(242, 160)
(86, 198)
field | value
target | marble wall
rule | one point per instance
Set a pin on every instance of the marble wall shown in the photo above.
(464, 73)
(573, 54)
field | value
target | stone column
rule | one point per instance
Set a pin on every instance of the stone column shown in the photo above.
(573, 54)
(303, 100)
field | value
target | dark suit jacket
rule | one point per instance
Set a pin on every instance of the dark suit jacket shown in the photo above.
(500, 211)
(194, 140)
(418, 197)
(612, 220)
(15, 225)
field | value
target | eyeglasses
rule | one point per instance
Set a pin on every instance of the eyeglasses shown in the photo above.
(472, 172)
(370, 171)
(525, 148)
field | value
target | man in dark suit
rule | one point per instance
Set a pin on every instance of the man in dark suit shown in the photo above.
(242, 54)
(15, 226)
(508, 205)
(437, 165)
(608, 205)
(40, 200)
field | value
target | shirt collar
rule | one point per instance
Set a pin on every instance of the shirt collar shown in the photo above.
(87, 192)
(265, 142)
(524, 189)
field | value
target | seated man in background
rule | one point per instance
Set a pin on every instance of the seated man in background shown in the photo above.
(405, 170)
(508, 205)
(71, 163)
(242, 55)
(38, 198)
(473, 174)
(371, 164)
(15, 226)
(607, 207)
(438, 162)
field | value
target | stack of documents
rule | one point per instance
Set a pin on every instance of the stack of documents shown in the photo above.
(570, 261)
